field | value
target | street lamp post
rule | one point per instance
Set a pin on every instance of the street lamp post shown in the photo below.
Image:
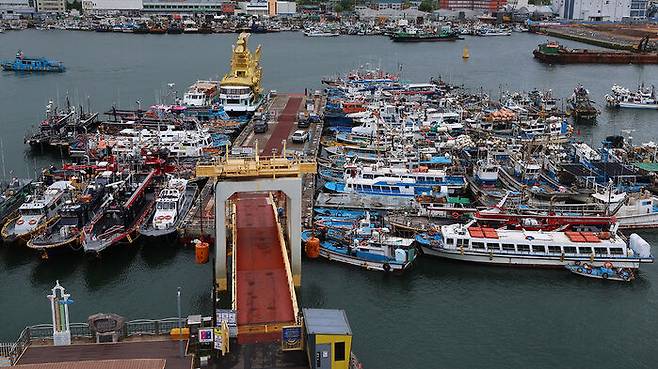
(180, 332)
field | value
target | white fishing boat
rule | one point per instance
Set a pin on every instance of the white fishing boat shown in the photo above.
(470, 242)
(201, 94)
(485, 172)
(636, 211)
(38, 211)
(320, 33)
(643, 98)
(171, 206)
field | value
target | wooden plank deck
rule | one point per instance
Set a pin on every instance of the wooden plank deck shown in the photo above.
(166, 349)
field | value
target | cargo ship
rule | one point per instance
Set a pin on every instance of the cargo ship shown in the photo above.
(554, 53)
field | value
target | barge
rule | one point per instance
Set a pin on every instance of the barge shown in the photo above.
(554, 53)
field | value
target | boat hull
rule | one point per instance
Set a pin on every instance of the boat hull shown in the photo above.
(528, 260)
(591, 57)
(365, 264)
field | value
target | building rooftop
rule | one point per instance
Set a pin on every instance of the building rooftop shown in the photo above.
(326, 321)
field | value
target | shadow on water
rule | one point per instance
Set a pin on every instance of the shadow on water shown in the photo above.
(14, 255)
(456, 271)
(111, 266)
(156, 253)
(55, 268)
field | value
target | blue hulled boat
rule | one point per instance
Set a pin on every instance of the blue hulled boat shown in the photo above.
(24, 64)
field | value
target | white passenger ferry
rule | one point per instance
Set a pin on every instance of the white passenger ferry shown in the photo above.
(470, 242)
(394, 181)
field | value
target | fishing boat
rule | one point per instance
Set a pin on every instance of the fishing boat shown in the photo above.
(582, 109)
(73, 216)
(171, 206)
(38, 212)
(240, 90)
(623, 98)
(201, 94)
(471, 242)
(632, 211)
(121, 216)
(13, 194)
(320, 33)
(607, 271)
(413, 35)
(367, 247)
(25, 64)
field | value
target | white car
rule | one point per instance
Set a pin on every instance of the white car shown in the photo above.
(299, 136)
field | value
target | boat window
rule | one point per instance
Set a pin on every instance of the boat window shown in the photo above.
(539, 248)
(395, 189)
(554, 250)
(367, 187)
(569, 249)
(616, 251)
(600, 250)
(493, 246)
(508, 247)
(477, 245)
(376, 188)
(523, 248)
(462, 242)
(450, 241)
(585, 250)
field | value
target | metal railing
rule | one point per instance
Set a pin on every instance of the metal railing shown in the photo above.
(42, 332)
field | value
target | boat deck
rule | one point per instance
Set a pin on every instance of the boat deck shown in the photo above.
(263, 296)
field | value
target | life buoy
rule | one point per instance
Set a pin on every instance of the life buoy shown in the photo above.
(20, 221)
(32, 222)
(159, 217)
(455, 215)
(387, 268)
(604, 275)
(167, 217)
(589, 271)
(608, 265)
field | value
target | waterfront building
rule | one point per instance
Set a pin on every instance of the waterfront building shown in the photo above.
(639, 8)
(111, 5)
(51, 6)
(489, 5)
(16, 6)
(183, 6)
(386, 4)
(594, 10)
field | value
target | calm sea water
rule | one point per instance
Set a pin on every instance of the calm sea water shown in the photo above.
(440, 315)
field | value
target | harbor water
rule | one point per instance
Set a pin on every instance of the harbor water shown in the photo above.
(439, 315)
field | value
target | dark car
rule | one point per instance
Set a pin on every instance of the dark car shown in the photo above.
(303, 122)
(261, 126)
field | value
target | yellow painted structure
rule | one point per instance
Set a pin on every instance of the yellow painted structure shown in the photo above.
(328, 338)
(333, 340)
(245, 67)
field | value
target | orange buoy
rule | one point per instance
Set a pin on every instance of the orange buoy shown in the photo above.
(313, 247)
(202, 252)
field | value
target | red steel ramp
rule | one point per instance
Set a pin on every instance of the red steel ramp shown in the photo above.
(284, 126)
(263, 296)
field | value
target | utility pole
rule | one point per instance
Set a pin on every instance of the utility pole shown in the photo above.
(180, 332)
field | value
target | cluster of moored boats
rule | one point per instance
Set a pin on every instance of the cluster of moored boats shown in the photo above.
(458, 175)
(129, 173)
(94, 207)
